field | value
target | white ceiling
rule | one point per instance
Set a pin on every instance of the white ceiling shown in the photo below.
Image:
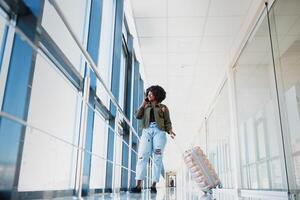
(185, 48)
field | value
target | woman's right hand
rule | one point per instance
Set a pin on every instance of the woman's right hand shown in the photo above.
(144, 103)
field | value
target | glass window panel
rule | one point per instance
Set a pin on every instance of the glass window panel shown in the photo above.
(253, 177)
(245, 177)
(56, 166)
(119, 138)
(124, 178)
(276, 175)
(98, 164)
(218, 137)
(75, 12)
(58, 102)
(117, 177)
(297, 169)
(106, 47)
(8, 153)
(98, 171)
(251, 140)
(5, 46)
(122, 84)
(243, 144)
(272, 130)
(263, 175)
(285, 30)
(261, 139)
(257, 106)
(3, 32)
(118, 160)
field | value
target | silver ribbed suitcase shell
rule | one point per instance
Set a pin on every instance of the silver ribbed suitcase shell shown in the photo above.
(201, 169)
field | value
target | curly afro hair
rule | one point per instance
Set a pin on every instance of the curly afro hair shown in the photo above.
(158, 92)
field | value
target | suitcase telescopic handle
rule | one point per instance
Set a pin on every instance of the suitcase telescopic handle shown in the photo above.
(178, 145)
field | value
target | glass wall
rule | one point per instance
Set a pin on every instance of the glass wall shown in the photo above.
(5, 48)
(262, 161)
(106, 47)
(3, 63)
(285, 31)
(3, 35)
(77, 14)
(54, 146)
(49, 147)
(266, 90)
(101, 126)
(98, 162)
(218, 138)
(60, 128)
(265, 103)
(135, 124)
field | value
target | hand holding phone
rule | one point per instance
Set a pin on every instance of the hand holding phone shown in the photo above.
(146, 97)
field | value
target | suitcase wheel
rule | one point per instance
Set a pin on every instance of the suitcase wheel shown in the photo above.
(220, 185)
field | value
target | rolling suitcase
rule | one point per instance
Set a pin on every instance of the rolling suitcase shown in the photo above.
(201, 169)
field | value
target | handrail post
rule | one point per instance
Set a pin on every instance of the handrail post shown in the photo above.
(82, 135)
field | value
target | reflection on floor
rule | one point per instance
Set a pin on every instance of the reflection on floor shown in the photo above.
(187, 193)
(162, 194)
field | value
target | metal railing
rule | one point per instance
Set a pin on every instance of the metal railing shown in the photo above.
(84, 99)
(98, 76)
(91, 63)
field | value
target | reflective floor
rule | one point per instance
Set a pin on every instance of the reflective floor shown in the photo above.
(172, 194)
(162, 194)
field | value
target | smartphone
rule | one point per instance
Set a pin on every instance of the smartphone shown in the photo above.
(146, 98)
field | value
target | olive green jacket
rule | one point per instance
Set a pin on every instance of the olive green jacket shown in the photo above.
(161, 115)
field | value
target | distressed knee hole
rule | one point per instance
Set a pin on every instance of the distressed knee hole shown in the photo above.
(157, 151)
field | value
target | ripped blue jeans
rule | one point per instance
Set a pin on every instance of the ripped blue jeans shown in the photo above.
(153, 141)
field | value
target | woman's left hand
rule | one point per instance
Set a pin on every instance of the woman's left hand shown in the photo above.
(172, 134)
